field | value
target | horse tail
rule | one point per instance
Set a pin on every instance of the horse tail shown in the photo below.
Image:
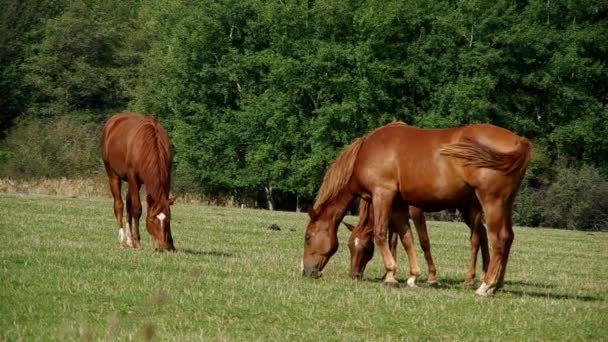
(479, 155)
(339, 173)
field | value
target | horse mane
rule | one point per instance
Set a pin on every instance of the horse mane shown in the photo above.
(338, 175)
(479, 155)
(156, 156)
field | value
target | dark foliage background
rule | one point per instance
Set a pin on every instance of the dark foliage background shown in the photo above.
(260, 96)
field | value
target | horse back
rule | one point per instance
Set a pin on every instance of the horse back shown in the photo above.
(122, 143)
(409, 160)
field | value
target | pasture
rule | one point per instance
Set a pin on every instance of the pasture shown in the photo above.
(64, 277)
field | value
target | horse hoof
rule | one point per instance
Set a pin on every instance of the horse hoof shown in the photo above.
(432, 283)
(411, 282)
(468, 283)
(485, 291)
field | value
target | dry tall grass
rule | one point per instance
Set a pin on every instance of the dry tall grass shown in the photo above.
(97, 187)
(92, 187)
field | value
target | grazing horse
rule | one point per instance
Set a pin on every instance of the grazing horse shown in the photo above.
(477, 168)
(361, 244)
(135, 148)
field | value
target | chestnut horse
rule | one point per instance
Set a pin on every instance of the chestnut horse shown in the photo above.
(478, 168)
(361, 244)
(135, 148)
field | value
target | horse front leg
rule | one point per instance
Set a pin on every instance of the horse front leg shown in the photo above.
(417, 216)
(382, 203)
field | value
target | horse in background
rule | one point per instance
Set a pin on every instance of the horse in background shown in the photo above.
(477, 168)
(361, 243)
(135, 148)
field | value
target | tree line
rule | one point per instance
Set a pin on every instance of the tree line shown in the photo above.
(259, 96)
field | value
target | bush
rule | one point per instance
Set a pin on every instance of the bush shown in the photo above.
(527, 211)
(50, 147)
(576, 199)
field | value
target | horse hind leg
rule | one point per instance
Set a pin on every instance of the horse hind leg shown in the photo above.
(500, 229)
(134, 210)
(115, 185)
(382, 203)
(417, 216)
(400, 222)
(472, 216)
(129, 233)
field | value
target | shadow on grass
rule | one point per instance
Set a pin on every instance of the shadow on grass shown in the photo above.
(549, 295)
(206, 253)
(453, 284)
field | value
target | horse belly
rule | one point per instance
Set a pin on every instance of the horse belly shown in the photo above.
(438, 194)
(115, 154)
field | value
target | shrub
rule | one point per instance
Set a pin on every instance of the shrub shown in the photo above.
(50, 147)
(576, 199)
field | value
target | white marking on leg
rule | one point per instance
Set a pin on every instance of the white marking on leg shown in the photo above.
(129, 237)
(411, 281)
(121, 235)
(483, 290)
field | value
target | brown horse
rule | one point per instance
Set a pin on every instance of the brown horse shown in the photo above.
(478, 168)
(361, 244)
(135, 148)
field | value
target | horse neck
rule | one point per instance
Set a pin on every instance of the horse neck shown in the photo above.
(333, 211)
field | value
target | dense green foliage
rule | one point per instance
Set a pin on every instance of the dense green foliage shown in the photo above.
(259, 96)
(64, 277)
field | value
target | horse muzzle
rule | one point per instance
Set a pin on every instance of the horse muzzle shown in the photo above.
(356, 276)
(309, 271)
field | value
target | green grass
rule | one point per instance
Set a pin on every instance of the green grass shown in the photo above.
(63, 277)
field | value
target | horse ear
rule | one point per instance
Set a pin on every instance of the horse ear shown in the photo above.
(348, 225)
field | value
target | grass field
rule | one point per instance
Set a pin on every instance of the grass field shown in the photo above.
(63, 277)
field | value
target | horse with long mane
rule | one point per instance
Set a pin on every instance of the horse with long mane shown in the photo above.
(477, 169)
(135, 148)
(361, 243)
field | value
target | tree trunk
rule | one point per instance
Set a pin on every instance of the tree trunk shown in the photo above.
(268, 190)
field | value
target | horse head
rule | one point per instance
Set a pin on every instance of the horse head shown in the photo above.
(320, 243)
(158, 222)
(361, 246)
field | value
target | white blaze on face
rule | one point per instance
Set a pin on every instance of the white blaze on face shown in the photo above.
(356, 242)
(161, 217)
